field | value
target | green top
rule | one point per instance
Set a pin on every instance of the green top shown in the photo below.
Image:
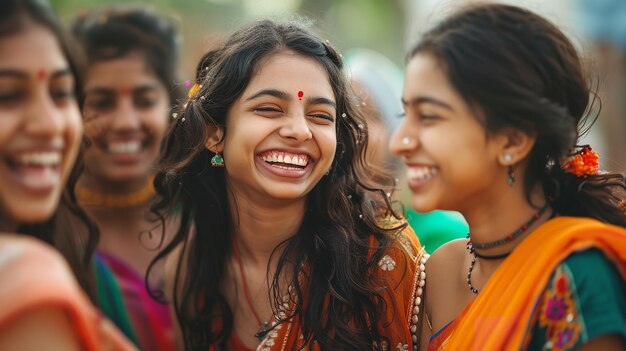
(585, 298)
(437, 227)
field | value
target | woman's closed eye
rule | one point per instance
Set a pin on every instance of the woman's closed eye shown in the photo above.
(62, 95)
(11, 96)
(100, 104)
(268, 111)
(145, 102)
(428, 116)
(321, 117)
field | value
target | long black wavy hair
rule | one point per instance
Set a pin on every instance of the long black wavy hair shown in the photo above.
(342, 211)
(518, 70)
(69, 230)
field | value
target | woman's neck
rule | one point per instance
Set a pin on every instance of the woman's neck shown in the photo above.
(114, 198)
(494, 220)
(260, 228)
(7, 226)
(113, 187)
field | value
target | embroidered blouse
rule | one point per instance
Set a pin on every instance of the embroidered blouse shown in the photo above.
(585, 298)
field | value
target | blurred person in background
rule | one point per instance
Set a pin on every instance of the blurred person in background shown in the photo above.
(604, 23)
(129, 89)
(378, 83)
(43, 306)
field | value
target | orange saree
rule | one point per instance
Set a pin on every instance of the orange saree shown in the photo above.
(34, 276)
(500, 316)
(402, 270)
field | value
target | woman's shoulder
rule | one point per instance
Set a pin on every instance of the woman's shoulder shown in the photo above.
(591, 271)
(588, 260)
(402, 273)
(585, 298)
(32, 273)
(37, 284)
(448, 256)
(402, 264)
(403, 242)
(20, 254)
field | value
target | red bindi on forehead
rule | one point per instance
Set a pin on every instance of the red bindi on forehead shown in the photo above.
(41, 74)
(300, 94)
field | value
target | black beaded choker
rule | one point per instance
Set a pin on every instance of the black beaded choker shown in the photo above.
(519, 231)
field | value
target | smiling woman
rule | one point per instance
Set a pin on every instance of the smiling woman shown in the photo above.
(304, 142)
(494, 135)
(37, 166)
(128, 90)
(289, 241)
(40, 134)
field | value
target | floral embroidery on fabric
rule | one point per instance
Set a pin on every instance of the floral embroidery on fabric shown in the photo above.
(270, 339)
(387, 263)
(407, 246)
(558, 314)
(388, 221)
(383, 346)
(402, 347)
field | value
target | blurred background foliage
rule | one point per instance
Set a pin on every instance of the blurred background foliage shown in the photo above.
(373, 24)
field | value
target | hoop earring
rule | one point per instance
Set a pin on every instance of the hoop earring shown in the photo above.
(217, 161)
(511, 179)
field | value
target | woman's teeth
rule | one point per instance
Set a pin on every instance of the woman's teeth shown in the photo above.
(39, 169)
(124, 147)
(43, 158)
(286, 158)
(422, 173)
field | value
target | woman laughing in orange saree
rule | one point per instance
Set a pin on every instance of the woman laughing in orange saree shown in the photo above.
(495, 100)
(286, 241)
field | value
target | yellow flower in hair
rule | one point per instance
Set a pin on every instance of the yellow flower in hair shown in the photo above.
(193, 91)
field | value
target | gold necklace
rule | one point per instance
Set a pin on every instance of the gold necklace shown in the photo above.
(89, 197)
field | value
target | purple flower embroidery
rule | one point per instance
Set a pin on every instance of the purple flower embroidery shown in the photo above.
(556, 308)
(564, 337)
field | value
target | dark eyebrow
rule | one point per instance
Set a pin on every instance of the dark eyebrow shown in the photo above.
(321, 101)
(426, 100)
(271, 92)
(109, 91)
(146, 88)
(286, 96)
(13, 73)
(99, 90)
(23, 75)
(61, 73)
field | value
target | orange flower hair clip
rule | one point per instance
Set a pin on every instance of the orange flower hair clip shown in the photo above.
(193, 91)
(582, 162)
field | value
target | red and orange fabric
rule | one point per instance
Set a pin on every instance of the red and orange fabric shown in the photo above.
(34, 276)
(501, 315)
(402, 271)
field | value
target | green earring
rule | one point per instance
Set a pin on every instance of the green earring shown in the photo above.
(511, 179)
(217, 161)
